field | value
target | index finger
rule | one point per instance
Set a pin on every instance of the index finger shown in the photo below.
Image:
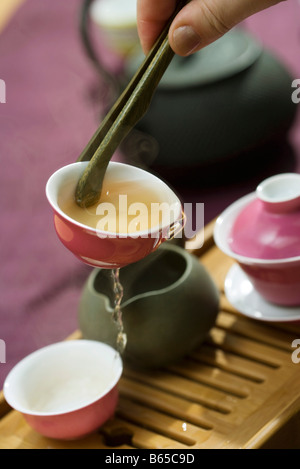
(152, 15)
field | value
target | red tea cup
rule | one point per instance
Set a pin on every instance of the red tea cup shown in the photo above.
(66, 390)
(110, 250)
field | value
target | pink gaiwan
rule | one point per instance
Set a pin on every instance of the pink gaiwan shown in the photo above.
(261, 231)
(269, 227)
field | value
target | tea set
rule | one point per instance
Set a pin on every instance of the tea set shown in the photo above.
(169, 306)
(166, 315)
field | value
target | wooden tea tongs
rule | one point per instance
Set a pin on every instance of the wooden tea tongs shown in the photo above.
(126, 112)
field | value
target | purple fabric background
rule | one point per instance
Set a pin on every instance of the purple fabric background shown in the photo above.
(47, 120)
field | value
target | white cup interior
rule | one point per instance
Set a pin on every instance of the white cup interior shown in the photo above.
(279, 188)
(63, 377)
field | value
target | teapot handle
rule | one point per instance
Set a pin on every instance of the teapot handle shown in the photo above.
(110, 80)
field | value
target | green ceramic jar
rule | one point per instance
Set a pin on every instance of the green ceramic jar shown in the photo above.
(170, 303)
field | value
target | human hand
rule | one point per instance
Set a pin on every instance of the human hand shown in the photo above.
(198, 24)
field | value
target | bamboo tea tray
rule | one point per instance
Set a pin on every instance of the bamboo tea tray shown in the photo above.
(241, 389)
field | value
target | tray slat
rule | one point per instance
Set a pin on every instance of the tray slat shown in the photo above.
(189, 390)
(169, 425)
(260, 332)
(232, 363)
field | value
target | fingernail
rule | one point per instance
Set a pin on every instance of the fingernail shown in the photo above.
(186, 40)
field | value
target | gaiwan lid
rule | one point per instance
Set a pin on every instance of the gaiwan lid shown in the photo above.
(269, 226)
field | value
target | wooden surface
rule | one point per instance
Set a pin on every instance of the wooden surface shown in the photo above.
(240, 389)
(7, 9)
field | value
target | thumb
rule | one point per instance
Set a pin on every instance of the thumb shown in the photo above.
(201, 22)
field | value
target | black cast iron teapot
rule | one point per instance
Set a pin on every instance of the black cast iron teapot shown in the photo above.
(218, 104)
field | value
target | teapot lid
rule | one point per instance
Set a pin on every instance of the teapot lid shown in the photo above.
(229, 55)
(269, 226)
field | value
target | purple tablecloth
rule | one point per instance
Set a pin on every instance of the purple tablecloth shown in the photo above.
(48, 118)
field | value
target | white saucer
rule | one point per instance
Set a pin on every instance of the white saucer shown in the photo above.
(241, 294)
